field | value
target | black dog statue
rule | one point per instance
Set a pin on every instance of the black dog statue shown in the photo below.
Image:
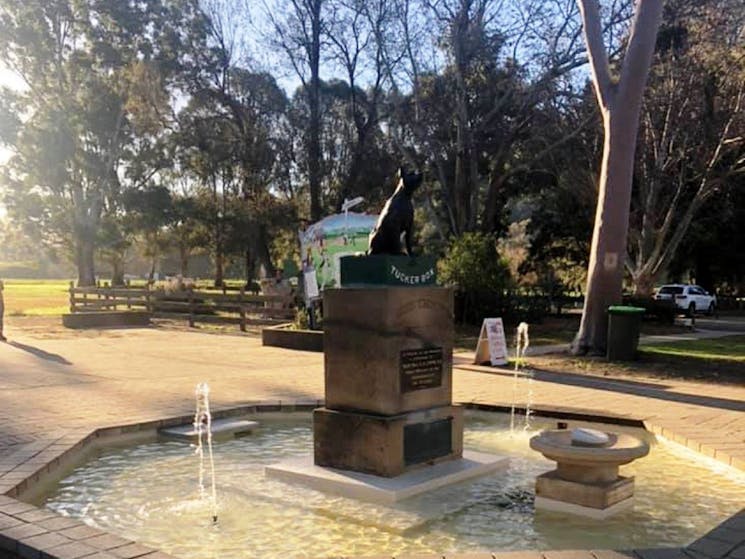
(396, 218)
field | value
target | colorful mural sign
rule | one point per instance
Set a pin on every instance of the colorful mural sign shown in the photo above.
(323, 243)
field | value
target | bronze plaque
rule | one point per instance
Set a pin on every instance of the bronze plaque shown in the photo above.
(420, 368)
(427, 441)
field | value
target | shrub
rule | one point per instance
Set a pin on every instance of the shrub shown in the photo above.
(471, 263)
(480, 277)
(176, 284)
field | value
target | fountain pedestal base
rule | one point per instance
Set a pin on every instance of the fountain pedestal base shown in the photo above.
(387, 445)
(597, 500)
(387, 490)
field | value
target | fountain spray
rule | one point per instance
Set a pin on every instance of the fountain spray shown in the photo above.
(521, 345)
(203, 426)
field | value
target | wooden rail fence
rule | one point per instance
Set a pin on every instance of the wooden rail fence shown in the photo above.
(194, 305)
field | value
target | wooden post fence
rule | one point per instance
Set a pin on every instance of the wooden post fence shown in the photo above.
(242, 309)
(237, 307)
(191, 307)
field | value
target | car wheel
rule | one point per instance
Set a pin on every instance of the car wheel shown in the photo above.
(712, 308)
(692, 309)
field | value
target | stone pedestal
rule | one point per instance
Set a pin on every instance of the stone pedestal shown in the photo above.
(388, 354)
(388, 350)
(389, 429)
(599, 499)
(386, 445)
(586, 480)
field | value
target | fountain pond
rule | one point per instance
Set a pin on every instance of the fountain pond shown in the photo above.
(150, 493)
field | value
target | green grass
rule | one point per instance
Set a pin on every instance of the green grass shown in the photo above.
(40, 297)
(731, 348)
(36, 297)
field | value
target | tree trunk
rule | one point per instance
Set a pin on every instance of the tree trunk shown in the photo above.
(151, 275)
(219, 266)
(314, 106)
(117, 273)
(605, 272)
(490, 218)
(620, 104)
(250, 266)
(644, 284)
(85, 261)
(184, 260)
(263, 255)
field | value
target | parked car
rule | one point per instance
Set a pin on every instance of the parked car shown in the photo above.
(689, 298)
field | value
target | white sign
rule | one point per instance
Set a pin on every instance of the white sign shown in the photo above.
(492, 346)
(610, 262)
(311, 284)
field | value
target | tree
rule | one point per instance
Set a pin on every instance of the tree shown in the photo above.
(691, 140)
(473, 114)
(150, 211)
(355, 29)
(298, 34)
(78, 62)
(185, 231)
(562, 195)
(619, 99)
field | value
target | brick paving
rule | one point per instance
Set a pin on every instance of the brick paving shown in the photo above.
(58, 394)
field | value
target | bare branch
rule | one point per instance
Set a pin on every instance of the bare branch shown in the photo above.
(639, 53)
(596, 51)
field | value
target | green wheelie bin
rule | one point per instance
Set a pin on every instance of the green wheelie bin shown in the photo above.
(624, 324)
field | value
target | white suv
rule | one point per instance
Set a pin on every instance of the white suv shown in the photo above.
(690, 298)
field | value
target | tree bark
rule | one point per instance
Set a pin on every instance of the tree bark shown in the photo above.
(644, 284)
(117, 273)
(263, 255)
(620, 104)
(605, 272)
(151, 275)
(219, 268)
(249, 266)
(314, 105)
(184, 260)
(85, 261)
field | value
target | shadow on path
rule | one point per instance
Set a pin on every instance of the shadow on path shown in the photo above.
(549, 376)
(40, 353)
(659, 392)
(634, 388)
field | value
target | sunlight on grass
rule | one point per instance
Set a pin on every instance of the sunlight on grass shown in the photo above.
(36, 297)
(731, 348)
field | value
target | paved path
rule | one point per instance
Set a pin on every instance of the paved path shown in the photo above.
(56, 391)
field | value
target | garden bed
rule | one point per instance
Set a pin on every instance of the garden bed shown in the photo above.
(284, 335)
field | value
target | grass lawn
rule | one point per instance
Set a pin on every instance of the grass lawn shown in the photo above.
(731, 348)
(719, 360)
(36, 297)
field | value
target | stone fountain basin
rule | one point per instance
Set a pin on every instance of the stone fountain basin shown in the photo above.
(556, 445)
(588, 464)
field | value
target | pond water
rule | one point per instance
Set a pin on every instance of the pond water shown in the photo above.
(149, 493)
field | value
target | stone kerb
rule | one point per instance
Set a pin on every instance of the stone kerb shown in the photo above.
(106, 319)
